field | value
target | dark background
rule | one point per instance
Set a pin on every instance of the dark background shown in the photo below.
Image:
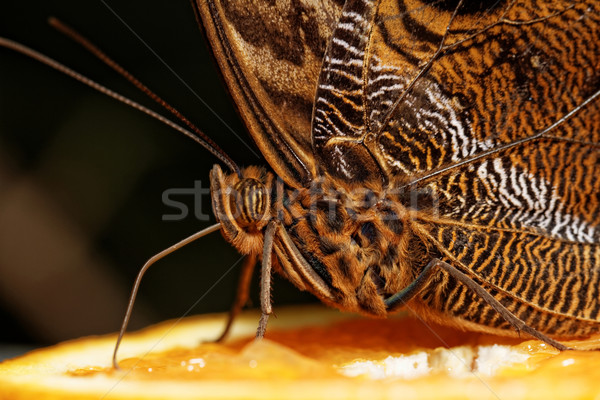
(82, 176)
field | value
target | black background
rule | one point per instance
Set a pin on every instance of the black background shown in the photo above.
(97, 169)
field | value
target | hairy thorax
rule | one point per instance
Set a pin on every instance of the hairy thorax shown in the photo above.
(353, 248)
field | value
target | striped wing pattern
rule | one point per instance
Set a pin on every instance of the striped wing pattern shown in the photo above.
(489, 115)
(338, 116)
(270, 55)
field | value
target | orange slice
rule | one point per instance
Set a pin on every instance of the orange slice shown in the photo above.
(309, 352)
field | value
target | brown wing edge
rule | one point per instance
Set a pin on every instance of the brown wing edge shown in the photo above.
(281, 154)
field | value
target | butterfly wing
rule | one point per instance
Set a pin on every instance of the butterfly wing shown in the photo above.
(270, 54)
(489, 115)
(416, 98)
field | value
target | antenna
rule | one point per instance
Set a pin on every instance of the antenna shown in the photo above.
(197, 135)
(141, 273)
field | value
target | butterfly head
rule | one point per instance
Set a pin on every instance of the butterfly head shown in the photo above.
(242, 206)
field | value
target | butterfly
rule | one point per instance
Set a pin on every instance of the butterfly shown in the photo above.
(438, 155)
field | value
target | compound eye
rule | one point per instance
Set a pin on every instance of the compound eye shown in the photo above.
(248, 202)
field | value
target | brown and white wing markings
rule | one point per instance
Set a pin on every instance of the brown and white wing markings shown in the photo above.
(270, 54)
(339, 123)
(526, 220)
(486, 111)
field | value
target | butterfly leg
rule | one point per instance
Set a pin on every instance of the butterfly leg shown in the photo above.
(512, 319)
(242, 294)
(265, 278)
(403, 296)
